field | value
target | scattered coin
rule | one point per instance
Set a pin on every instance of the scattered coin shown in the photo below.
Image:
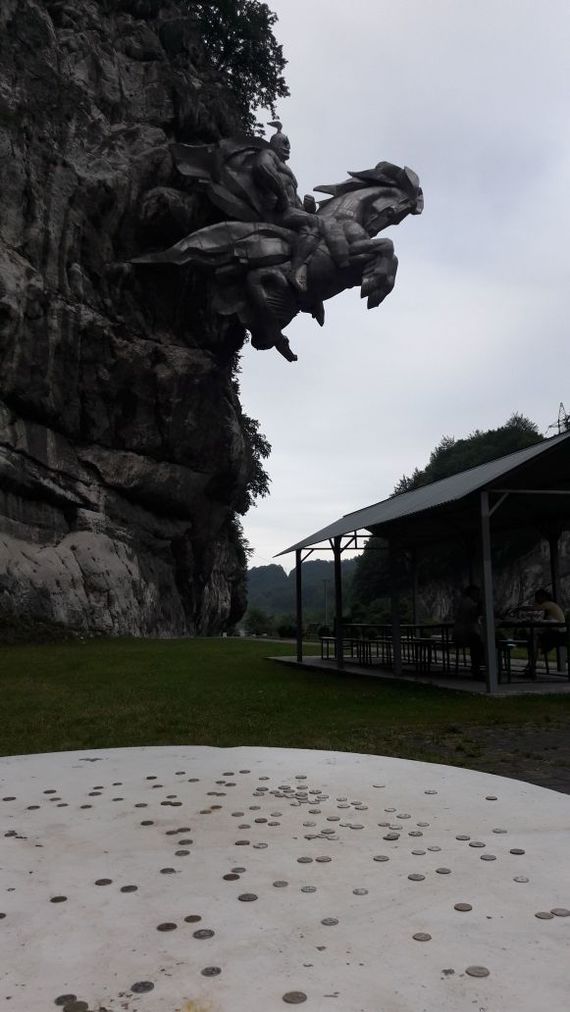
(477, 971)
(422, 936)
(142, 987)
(211, 971)
(329, 921)
(544, 915)
(294, 997)
(463, 906)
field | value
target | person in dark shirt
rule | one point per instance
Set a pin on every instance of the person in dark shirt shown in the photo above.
(467, 629)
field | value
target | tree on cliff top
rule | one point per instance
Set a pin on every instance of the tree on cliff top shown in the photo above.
(451, 455)
(238, 35)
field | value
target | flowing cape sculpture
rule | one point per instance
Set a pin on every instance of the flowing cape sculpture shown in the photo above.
(276, 256)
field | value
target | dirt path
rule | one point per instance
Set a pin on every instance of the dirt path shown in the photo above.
(537, 754)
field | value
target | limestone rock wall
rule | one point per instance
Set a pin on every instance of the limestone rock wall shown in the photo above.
(122, 453)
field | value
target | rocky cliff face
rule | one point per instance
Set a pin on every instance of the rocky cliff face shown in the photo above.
(123, 454)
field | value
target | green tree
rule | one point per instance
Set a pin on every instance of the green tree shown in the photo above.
(258, 623)
(239, 39)
(453, 455)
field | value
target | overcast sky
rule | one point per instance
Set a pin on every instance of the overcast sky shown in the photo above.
(475, 98)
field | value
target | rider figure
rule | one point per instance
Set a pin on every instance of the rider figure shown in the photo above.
(276, 179)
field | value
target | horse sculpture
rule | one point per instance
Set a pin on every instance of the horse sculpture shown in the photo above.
(279, 257)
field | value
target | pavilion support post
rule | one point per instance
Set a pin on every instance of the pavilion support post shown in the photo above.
(395, 609)
(489, 641)
(299, 600)
(554, 548)
(415, 584)
(338, 626)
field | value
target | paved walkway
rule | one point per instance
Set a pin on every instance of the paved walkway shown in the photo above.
(542, 687)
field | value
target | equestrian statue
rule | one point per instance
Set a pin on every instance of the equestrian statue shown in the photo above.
(275, 256)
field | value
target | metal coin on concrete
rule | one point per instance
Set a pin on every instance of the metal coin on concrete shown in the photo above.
(294, 997)
(477, 971)
(422, 936)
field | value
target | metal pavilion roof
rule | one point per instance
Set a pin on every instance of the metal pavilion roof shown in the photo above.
(438, 493)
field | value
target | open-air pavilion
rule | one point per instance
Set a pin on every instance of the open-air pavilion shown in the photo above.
(526, 489)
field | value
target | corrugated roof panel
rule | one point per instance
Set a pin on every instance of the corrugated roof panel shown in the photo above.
(437, 493)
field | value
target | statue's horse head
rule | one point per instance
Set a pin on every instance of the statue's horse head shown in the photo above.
(374, 198)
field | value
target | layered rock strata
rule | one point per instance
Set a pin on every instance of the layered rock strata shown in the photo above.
(123, 452)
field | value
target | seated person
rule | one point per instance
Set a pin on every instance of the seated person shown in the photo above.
(547, 639)
(551, 612)
(467, 629)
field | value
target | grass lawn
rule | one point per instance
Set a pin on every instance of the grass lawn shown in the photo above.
(104, 693)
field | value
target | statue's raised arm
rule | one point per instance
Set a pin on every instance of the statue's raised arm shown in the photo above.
(274, 256)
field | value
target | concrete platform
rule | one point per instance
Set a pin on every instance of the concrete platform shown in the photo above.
(188, 879)
(544, 686)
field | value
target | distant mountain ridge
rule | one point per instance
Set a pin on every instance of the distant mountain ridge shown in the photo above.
(270, 589)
